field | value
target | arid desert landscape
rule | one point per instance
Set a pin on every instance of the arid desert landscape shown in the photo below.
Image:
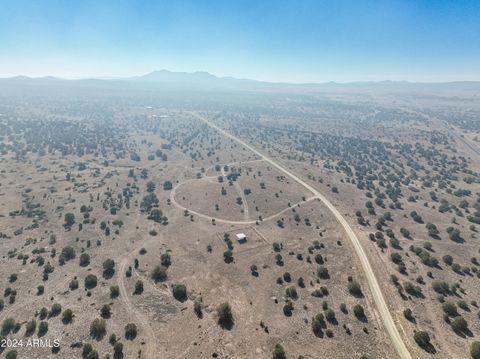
(336, 222)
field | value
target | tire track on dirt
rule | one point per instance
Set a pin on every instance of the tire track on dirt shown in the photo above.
(150, 344)
(150, 349)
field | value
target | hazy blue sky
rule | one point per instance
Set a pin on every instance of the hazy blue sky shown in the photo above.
(299, 41)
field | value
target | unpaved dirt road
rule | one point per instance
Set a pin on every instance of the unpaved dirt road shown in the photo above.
(382, 307)
(228, 221)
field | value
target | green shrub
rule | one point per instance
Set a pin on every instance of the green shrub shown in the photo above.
(407, 313)
(197, 308)
(159, 273)
(105, 311)
(30, 327)
(441, 287)
(42, 329)
(138, 287)
(130, 331)
(84, 260)
(98, 328)
(355, 289)
(475, 350)
(359, 311)
(318, 324)
(291, 292)
(179, 292)
(114, 291)
(86, 349)
(459, 324)
(323, 272)
(278, 352)
(90, 281)
(330, 316)
(11, 354)
(165, 260)
(73, 284)
(422, 338)
(67, 316)
(450, 308)
(67, 253)
(55, 310)
(225, 316)
(118, 350)
(7, 326)
(108, 268)
(228, 256)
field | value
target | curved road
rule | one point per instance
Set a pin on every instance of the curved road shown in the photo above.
(228, 221)
(367, 268)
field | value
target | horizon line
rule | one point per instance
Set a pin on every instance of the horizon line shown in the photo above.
(137, 77)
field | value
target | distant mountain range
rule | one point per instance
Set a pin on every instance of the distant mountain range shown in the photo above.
(204, 81)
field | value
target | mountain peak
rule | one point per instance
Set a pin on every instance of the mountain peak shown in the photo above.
(166, 75)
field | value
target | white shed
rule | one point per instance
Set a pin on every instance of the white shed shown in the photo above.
(241, 237)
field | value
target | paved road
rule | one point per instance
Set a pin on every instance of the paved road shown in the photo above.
(367, 268)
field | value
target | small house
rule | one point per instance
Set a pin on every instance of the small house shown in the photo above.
(241, 237)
